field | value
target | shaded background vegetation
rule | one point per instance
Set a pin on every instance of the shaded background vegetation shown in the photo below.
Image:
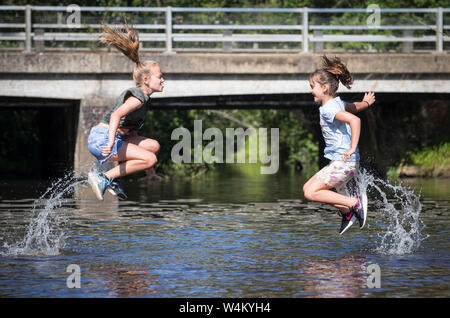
(233, 18)
(23, 130)
(297, 146)
(240, 3)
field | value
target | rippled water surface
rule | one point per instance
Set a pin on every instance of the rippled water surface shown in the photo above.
(233, 236)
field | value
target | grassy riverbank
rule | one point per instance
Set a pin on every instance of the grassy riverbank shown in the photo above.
(428, 162)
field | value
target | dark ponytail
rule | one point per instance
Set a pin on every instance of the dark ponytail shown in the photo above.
(332, 72)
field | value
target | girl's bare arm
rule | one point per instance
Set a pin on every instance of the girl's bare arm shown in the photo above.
(369, 99)
(130, 104)
(355, 127)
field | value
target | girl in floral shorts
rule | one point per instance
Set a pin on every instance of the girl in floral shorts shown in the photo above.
(341, 130)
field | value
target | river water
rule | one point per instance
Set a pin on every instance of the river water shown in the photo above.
(232, 234)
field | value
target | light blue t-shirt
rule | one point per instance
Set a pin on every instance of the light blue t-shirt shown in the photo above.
(337, 134)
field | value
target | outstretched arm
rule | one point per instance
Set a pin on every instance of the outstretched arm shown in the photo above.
(368, 100)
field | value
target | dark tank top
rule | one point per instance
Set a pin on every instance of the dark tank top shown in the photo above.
(135, 119)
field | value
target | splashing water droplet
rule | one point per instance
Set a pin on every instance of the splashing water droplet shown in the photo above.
(400, 209)
(46, 231)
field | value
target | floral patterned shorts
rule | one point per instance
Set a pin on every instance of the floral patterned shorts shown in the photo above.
(338, 173)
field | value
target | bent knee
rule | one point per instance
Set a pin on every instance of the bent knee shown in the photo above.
(156, 146)
(151, 145)
(150, 160)
(308, 193)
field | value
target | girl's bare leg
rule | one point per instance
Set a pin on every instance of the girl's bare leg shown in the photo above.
(342, 208)
(148, 144)
(342, 190)
(316, 190)
(133, 159)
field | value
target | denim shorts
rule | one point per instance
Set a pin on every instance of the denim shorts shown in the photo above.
(99, 137)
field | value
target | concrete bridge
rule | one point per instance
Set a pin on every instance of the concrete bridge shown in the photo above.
(91, 81)
(83, 76)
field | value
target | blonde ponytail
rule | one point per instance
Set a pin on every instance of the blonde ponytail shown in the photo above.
(125, 40)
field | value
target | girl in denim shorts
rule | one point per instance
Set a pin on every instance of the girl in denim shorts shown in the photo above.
(341, 130)
(115, 138)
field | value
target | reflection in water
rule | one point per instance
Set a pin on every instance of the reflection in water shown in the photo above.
(123, 282)
(337, 277)
(428, 187)
(88, 207)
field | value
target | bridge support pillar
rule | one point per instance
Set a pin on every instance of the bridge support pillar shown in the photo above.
(91, 112)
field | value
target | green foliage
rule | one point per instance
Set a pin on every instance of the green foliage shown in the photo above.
(431, 161)
(349, 18)
(296, 145)
(431, 157)
(239, 3)
(159, 125)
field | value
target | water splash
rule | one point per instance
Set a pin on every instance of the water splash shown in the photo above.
(46, 233)
(400, 210)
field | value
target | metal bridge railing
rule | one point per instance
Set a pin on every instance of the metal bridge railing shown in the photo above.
(171, 29)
